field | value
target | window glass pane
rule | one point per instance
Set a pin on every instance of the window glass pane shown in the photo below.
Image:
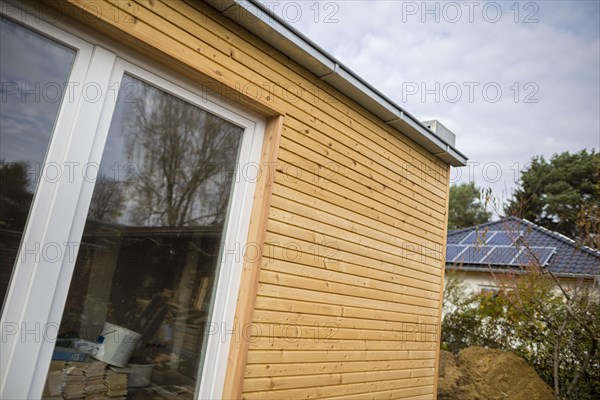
(148, 261)
(33, 74)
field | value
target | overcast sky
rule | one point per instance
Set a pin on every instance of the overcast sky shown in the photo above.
(450, 60)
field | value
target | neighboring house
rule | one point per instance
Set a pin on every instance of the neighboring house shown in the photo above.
(487, 252)
(201, 174)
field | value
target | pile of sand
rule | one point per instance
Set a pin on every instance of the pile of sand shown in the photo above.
(489, 374)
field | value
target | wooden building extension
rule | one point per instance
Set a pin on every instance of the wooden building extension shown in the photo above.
(341, 278)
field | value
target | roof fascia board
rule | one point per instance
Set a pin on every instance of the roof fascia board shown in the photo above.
(262, 22)
(277, 33)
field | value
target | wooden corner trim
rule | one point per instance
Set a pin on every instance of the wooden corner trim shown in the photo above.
(441, 300)
(238, 351)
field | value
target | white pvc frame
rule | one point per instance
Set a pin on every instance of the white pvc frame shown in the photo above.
(39, 288)
(34, 279)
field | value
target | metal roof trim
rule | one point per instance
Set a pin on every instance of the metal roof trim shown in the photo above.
(295, 45)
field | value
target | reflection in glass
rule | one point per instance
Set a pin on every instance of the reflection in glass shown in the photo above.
(150, 248)
(33, 73)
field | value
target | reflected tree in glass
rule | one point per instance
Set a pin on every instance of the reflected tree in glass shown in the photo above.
(185, 162)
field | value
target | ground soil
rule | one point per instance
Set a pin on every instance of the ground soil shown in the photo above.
(489, 374)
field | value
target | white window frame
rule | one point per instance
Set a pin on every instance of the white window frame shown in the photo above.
(39, 288)
(35, 278)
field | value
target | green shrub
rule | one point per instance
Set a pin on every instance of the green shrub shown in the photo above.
(557, 332)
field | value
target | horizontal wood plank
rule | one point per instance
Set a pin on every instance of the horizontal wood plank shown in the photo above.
(311, 381)
(270, 370)
(318, 392)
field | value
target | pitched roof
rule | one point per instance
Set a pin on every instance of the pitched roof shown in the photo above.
(567, 259)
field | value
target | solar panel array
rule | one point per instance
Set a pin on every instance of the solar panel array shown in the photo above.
(494, 238)
(497, 248)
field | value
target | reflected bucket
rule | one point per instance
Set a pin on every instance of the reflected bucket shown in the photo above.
(116, 344)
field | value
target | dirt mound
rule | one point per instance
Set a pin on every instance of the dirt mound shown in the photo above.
(489, 374)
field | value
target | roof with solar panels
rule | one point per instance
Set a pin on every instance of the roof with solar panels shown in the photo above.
(512, 243)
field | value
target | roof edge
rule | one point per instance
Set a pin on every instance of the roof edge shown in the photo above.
(267, 25)
(518, 272)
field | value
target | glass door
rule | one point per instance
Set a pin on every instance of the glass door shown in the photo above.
(151, 252)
